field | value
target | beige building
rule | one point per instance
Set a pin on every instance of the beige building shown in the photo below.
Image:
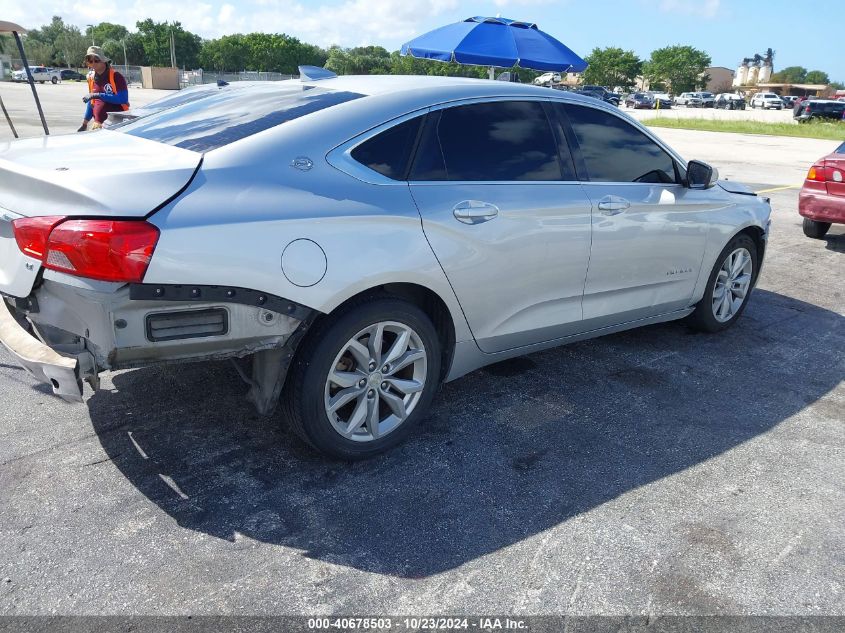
(720, 79)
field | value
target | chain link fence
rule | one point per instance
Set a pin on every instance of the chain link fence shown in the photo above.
(197, 77)
(187, 78)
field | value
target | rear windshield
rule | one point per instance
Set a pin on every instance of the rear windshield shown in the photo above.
(221, 118)
(840, 149)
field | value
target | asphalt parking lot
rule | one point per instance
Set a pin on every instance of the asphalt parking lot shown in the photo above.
(652, 472)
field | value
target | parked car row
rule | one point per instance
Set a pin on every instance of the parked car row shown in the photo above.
(696, 99)
(766, 101)
(729, 101)
(43, 74)
(599, 92)
(648, 100)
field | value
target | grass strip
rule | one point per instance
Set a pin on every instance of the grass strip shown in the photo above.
(825, 130)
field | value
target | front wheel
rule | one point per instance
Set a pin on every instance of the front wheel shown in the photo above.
(363, 378)
(728, 287)
(54, 80)
(816, 230)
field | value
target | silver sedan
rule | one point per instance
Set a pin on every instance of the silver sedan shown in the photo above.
(352, 242)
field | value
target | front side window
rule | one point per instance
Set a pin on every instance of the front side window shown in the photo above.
(616, 151)
(494, 141)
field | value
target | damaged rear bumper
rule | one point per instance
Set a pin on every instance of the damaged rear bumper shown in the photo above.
(86, 327)
(63, 373)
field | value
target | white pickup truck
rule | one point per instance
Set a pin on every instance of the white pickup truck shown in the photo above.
(41, 74)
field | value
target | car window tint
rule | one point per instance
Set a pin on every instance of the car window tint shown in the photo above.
(428, 161)
(228, 116)
(496, 141)
(615, 151)
(388, 152)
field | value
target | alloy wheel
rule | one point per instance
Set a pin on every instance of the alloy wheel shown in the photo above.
(733, 282)
(376, 381)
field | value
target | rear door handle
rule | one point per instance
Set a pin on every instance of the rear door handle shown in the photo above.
(474, 211)
(613, 205)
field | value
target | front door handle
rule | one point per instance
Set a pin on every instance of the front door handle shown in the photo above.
(613, 205)
(474, 211)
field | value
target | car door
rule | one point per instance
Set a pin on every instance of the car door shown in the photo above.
(506, 218)
(649, 231)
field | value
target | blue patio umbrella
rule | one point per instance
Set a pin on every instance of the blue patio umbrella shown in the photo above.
(495, 42)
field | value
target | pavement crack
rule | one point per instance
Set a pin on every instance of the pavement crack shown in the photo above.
(103, 461)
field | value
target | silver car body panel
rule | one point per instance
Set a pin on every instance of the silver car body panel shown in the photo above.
(100, 173)
(251, 199)
(18, 271)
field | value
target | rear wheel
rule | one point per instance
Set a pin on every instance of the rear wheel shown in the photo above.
(816, 230)
(362, 379)
(728, 287)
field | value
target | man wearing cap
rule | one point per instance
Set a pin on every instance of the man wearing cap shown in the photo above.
(107, 91)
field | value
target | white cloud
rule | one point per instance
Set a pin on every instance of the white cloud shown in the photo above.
(344, 22)
(350, 23)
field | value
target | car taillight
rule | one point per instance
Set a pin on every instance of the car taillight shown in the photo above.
(108, 250)
(31, 234)
(816, 173)
(823, 173)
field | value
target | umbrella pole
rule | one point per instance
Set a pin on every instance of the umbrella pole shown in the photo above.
(6, 114)
(31, 80)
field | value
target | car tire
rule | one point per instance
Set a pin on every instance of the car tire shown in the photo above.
(816, 230)
(728, 287)
(54, 80)
(368, 419)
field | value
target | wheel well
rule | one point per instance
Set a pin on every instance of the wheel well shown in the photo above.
(425, 299)
(756, 234)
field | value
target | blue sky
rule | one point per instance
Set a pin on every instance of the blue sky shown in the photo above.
(802, 34)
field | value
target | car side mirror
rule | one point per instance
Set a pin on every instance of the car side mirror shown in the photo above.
(701, 175)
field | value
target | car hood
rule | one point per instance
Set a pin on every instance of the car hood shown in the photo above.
(98, 173)
(736, 187)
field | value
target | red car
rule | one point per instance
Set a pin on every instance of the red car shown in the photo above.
(822, 198)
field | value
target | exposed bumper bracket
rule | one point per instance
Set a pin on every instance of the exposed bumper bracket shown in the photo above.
(61, 372)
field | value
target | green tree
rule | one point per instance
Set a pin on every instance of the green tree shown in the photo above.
(837, 85)
(38, 52)
(790, 75)
(817, 77)
(612, 66)
(681, 68)
(70, 47)
(365, 60)
(407, 65)
(155, 38)
(228, 53)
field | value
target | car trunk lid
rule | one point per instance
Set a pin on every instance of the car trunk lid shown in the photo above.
(97, 174)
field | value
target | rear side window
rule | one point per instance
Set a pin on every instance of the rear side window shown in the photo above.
(616, 151)
(228, 116)
(494, 141)
(388, 152)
